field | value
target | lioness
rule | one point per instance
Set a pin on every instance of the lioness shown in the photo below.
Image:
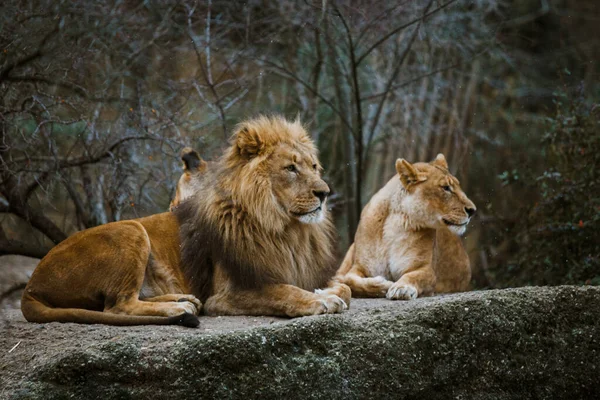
(255, 239)
(194, 168)
(406, 244)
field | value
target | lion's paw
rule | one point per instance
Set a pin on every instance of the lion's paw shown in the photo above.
(329, 304)
(185, 306)
(338, 289)
(402, 291)
(191, 299)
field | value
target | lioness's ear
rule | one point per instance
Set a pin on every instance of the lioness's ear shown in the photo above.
(248, 141)
(191, 160)
(440, 161)
(408, 173)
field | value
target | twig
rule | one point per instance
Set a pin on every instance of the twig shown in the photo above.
(15, 346)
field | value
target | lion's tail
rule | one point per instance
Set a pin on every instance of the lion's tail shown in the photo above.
(36, 311)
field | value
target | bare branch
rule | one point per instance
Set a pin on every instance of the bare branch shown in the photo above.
(61, 163)
(400, 28)
(288, 74)
(418, 78)
(76, 89)
(13, 289)
(28, 249)
(39, 222)
(393, 76)
(5, 72)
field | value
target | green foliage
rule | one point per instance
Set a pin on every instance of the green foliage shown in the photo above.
(558, 239)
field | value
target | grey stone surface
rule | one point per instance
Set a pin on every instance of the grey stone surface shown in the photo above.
(528, 343)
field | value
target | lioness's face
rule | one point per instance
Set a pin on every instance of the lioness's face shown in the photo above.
(296, 183)
(434, 196)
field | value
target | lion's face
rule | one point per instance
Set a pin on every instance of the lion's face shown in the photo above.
(434, 196)
(296, 183)
(278, 172)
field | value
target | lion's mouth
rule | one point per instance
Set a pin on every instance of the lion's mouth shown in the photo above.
(302, 214)
(450, 223)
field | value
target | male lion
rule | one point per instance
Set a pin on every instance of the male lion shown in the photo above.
(406, 244)
(254, 239)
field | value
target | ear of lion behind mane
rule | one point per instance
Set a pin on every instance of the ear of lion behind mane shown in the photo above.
(237, 229)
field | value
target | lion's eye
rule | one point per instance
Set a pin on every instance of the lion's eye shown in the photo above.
(291, 168)
(315, 167)
(447, 188)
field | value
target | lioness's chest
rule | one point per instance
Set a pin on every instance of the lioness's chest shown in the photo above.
(401, 249)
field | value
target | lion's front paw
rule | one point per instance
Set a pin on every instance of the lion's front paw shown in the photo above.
(328, 304)
(192, 299)
(402, 291)
(188, 306)
(338, 289)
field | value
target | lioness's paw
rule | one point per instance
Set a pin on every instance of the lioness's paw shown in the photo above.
(185, 307)
(402, 291)
(329, 304)
(378, 284)
(192, 299)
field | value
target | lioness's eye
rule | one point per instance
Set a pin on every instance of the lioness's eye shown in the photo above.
(447, 188)
(315, 167)
(291, 168)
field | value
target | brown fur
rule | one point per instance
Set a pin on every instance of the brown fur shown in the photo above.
(239, 244)
(122, 273)
(406, 244)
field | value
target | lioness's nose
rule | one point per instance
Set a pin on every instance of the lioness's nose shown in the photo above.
(470, 211)
(321, 194)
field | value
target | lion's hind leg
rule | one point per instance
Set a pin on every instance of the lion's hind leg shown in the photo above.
(133, 306)
(96, 270)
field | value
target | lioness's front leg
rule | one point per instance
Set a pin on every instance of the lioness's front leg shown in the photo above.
(414, 283)
(177, 298)
(362, 286)
(273, 299)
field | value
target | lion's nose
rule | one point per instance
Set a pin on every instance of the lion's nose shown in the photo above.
(321, 194)
(470, 211)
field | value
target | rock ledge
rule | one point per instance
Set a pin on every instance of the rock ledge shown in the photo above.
(502, 344)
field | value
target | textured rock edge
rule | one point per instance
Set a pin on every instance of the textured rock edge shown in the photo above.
(516, 343)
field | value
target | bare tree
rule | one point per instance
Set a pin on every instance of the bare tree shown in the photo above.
(93, 110)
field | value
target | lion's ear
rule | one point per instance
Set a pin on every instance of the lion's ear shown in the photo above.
(440, 161)
(191, 160)
(408, 173)
(248, 142)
